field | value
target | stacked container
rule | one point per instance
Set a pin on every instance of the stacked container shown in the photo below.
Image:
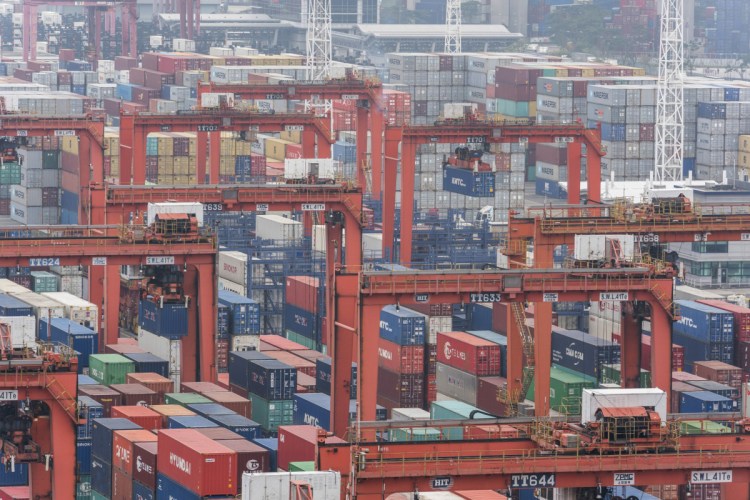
(582, 352)
(706, 333)
(103, 450)
(304, 311)
(719, 126)
(81, 339)
(461, 359)
(79, 310)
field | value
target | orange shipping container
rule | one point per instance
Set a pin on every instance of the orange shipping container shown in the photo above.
(141, 415)
(154, 381)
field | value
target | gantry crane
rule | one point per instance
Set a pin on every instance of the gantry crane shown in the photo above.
(134, 128)
(94, 10)
(478, 133)
(367, 94)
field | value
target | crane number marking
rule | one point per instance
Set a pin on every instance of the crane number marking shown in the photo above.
(442, 482)
(744, 236)
(44, 261)
(22, 133)
(8, 395)
(207, 128)
(313, 207)
(485, 297)
(710, 476)
(261, 207)
(532, 480)
(161, 260)
(624, 478)
(213, 207)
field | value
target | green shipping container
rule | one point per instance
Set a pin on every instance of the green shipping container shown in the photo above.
(83, 488)
(271, 414)
(301, 466)
(51, 159)
(566, 387)
(185, 398)
(414, 434)
(42, 281)
(110, 369)
(703, 427)
(453, 410)
(531, 173)
(301, 339)
(611, 375)
(95, 495)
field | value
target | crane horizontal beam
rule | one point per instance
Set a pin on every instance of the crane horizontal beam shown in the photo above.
(32, 126)
(349, 89)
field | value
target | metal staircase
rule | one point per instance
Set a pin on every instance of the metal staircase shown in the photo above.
(511, 399)
(62, 396)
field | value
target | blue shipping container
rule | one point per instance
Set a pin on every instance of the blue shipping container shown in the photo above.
(86, 380)
(717, 388)
(101, 476)
(102, 434)
(83, 457)
(190, 422)
(18, 477)
(243, 426)
(323, 377)
(239, 367)
(550, 188)
(698, 350)
(84, 341)
(145, 362)
(168, 489)
(481, 317)
(704, 402)
(208, 409)
(244, 313)
(468, 182)
(712, 110)
(124, 91)
(141, 492)
(582, 352)
(88, 409)
(272, 445)
(222, 321)
(402, 326)
(613, 132)
(272, 379)
(705, 323)
(168, 321)
(302, 322)
(11, 306)
(69, 200)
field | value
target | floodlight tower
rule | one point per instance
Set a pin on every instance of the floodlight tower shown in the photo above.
(453, 26)
(319, 43)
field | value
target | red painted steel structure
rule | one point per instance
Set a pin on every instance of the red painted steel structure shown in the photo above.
(369, 97)
(94, 11)
(134, 128)
(88, 245)
(409, 138)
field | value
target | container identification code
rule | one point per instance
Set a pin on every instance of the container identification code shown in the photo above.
(44, 261)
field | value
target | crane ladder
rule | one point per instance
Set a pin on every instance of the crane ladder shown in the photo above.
(511, 399)
(61, 395)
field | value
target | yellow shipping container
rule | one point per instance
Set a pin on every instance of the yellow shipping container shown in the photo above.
(114, 166)
(243, 148)
(745, 143)
(588, 72)
(743, 159)
(294, 136)
(276, 148)
(532, 108)
(226, 165)
(69, 144)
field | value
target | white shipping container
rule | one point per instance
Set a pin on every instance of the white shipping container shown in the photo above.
(26, 215)
(22, 330)
(73, 284)
(231, 286)
(301, 168)
(44, 307)
(216, 99)
(596, 247)
(438, 495)
(171, 350)
(275, 485)
(31, 197)
(274, 227)
(409, 414)
(372, 245)
(594, 399)
(174, 208)
(11, 287)
(437, 324)
(76, 309)
(233, 266)
(245, 342)
(319, 239)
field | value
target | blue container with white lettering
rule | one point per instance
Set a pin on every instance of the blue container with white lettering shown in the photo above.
(244, 313)
(704, 402)
(101, 476)
(323, 377)
(312, 409)
(102, 435)
(243, 426)
(222, 321)
(704, 322)
(169, 489)
(272, 445)
(581, 352)
(302, 322)
(469, 183)
(83, 457)
(145, 362)
(165, 320)
(11, 306)
(701, 350)
(88, 409)
(402, 326)
(239, 367)
(142, 492)
(272, 379)
(84, 341)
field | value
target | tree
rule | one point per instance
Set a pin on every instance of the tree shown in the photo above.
(577, 28)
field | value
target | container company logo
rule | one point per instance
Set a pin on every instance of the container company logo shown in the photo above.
(451, 352)
(18, 194)
(458, 182)
(220, 74)
(310, 420)
(600, 95)
(122, 453)
(252, 465)
(385, 354)
(385, 326)
(230, 268)
(97, 373)
(548, 87)
(547, 103)
(180, 463)
(300, 320)
(688, 322)
(142, 466)
(574, 353)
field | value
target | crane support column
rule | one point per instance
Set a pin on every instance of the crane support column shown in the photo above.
(376, 150)
(308, 144)
(661, 347)
(514, 370)
(127, 131)
(574, 173)
(735, 491)
(593, 175)
(214, 163)
(408, 158)
(62, 435)
(630, 347)
(543, 257)
(392, 141)
(362, 129)
(201, 150)
(206, 304)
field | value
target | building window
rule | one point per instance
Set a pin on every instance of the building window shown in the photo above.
(711, 247)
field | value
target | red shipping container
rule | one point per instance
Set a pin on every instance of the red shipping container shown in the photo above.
(219, 433)
(37, 66)
(123, 349)
(301, 364)
(468, 353)
(297, 443)
(155, 79)
(280, 343)
(250, 457)
(128, 107)
(167, 411)
(500, 317)
(15, 493)
(305, 383)
(490, 432)
(302, 292)
(137, 395)
(198, 463)
(199, 387)
(137, 76)
(742, 355)
(401, 390)
(144, 456)
(719, 372)
(741, 317)
(234, 402)
(157, 383)
(488, 391)
(400, 359)
(222, 354)
(431, 382)
(124, 63)
(122, 448)
(104, 395)
(111, 106)
(4, 206)
(223, 380)
(550, 153)
(122, 485)
(433, 309)
(145, 417)
(480, 495)
(678, 355)
(685, 377)
(150, 60)
(66, 54)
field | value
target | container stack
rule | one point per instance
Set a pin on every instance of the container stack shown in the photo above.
(552, 168)
(627, 115)
(581, 352)
(741, 331)
(243, 317)
(401, 354)
(706, 333)
(111, 153)
(304, 311)
(69, 180)
(81, 339)
(36, 199)
(171, 158)
(81, 311)
(103, 433)
(462, 359)
(74, 282)
(719, 126)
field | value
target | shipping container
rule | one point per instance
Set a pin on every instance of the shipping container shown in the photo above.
(401, 359)
(145, 455)
(243, 426)
(166, 320)
(704, 323)
(154, 381)
(77, 309)
(704, 402)
(469, 183)
(83, 340)
(110, 368)
(323, 377)
(741, 317)
(298, 443)
(582, 352)
(566, 387)
(102, 394)
(136, 395)
(231, 401)
(397, 390)
(195, 461)
(721, 389)
(402, 326)
(101, 477)
(276, 486)
(190, 422)
(184, 399)
(271, 414)
(168, 488)
(141, 415)
(147, 362)
(719, 372)
(271, 379)
(468, 353)
(239, 367)
(251, 457)
(171, 410)
(122, 448)
(88, 410)
(456, 384)
(244, 313)
(102, 435)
